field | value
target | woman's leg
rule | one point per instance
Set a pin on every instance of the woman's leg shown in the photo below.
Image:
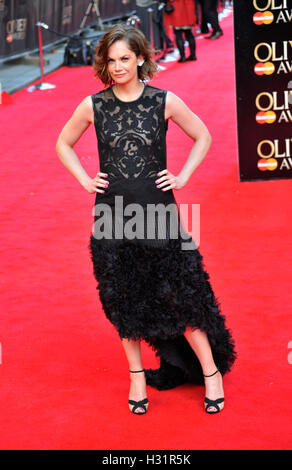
(204, 25)
(178, 32)
(192, 44)
(199, 342)
(211, 15)
(138, 381)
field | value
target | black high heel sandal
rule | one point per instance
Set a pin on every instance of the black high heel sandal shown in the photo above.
(138, 404)
(215, 403)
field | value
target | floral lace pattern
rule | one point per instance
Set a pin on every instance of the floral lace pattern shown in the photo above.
(131, 135)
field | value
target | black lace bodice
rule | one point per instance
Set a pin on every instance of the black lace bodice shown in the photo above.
(131, 135)
(132, 150)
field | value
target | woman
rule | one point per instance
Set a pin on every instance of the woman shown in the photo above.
(182, 18)
(150, 288)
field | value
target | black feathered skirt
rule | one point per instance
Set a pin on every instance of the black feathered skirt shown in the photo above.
(152, 292)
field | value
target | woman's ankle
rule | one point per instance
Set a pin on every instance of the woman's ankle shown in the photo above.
(209, 369)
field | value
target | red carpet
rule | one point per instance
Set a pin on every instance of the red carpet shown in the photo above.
(64, 376)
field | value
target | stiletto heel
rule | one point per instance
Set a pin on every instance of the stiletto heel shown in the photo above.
(214, 403)
(138, 404)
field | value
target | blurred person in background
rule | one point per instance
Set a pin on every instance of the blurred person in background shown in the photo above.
(202, 16)
(182, 18)
(211, 15)
(160, 38)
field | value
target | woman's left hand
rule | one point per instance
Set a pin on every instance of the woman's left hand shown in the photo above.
(168, 181)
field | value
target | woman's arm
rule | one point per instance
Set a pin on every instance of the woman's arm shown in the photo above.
(70, 134)
(178, 112)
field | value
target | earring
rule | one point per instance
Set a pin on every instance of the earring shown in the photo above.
(141, 63)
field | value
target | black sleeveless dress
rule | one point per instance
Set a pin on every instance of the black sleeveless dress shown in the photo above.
(150, 275)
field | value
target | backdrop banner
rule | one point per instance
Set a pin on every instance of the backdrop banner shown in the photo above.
(263, 59)
(18, 33)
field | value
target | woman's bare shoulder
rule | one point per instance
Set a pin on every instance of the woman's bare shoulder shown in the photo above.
(172, 103)
(85, 109)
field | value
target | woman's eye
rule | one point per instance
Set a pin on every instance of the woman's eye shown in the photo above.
(124, 59)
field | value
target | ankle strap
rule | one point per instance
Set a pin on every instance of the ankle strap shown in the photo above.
(136, 371)
(211, 374)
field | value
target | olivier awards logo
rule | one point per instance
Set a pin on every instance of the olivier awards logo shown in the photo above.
(270, 151)
(269, 11)
(16, 29)
(273, 56)
(273, 107)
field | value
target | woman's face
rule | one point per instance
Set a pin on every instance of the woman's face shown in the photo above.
(122, 63)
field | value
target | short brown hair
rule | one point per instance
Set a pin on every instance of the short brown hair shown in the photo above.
(136, 42)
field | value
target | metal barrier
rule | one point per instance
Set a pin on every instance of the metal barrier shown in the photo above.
(18, 35)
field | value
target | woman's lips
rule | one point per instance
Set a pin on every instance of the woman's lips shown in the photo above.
(119, 74)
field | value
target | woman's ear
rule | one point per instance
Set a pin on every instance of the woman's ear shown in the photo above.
(140, 60)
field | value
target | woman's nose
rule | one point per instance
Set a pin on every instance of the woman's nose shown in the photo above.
(118, 65)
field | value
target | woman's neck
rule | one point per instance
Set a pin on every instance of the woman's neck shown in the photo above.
(128, 91)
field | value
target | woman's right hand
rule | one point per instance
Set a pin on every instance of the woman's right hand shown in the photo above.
(94, 185)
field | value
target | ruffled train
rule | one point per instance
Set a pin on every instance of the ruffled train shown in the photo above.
(152, 294)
